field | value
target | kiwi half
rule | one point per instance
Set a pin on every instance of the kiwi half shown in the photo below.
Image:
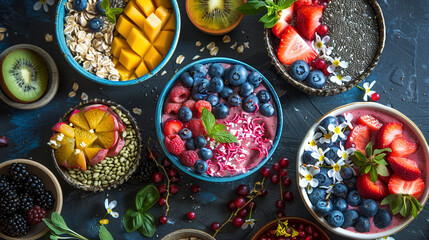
(24, 76)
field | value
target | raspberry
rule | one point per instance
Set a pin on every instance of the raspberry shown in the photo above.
(191, 105)
(35, 215)
(171, 108)
(174, 144)
(200, 105)
(188, 158)
(196, 126)
(179, 94)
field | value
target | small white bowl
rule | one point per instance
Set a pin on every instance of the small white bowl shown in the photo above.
(388, 111)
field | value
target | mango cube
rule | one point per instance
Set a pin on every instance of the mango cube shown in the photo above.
(141, 69)
(146, 6)
(129, 59)
(165, 3)
(117, 44)
(152, 27)
(152, 58)
(163, 42)
(134, 76)
(124, 25)
(124, 73)
(134, 13)
(163, 14)
(171, 23)
(138, 42)
(115, 60)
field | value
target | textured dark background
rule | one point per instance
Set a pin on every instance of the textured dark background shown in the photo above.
(402, 77)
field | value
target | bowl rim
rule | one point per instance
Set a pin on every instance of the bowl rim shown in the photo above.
(341, 109)
(57, 186)
(272, 53)
(175, 160)
(59, 30)
(190, 230)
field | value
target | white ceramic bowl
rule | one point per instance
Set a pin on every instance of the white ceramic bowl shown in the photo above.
(388, 111)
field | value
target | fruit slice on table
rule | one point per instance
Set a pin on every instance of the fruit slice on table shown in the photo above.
(84, 138)
(369, 189)
(96, 155)
(214, 16)
(402, 148)
(286, 17)
(78, 119)
(293, 47)
(24, 76)
(121, 124)
(405, 168)
(107, 124)
(117, 148)
(359, 138)
(398, 185)
(64, 128)
(77, 160)
(307, 20)
(370, 121)
(108, 139)
(387, 133)
(65, 150)
(94, 114)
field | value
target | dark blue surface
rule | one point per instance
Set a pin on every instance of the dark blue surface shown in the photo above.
(402, 80)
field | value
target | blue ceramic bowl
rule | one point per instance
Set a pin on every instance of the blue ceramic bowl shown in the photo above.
(176, 161)
(59, 29)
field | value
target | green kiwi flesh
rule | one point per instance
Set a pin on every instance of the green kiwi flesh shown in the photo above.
(24, 76)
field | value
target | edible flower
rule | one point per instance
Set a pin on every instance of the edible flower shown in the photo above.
(344, 154)
(337, 131)
(385, 238)
(367, 89)
(334, 173)
(110, 206)
(326, 136)
(308, 181)
(312, 144)
(248, 223)
(336, 62)
(320, 155)
(38, 5)
(319, 45)
(339, 79)
(349, 118)
(328, 188)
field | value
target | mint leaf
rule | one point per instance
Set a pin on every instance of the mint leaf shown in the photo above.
(116, 11)
(111, 18)
(283, 4)
(252, 7)
(218, 128)
(104, 234)
(208, 119)
(224, 137)
(105, 4)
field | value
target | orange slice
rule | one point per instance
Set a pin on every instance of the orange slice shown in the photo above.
(98, 157)
(84, 138)
(65, 150)
(91, 152)
(109, 123)
(64, 128)
(79, 120)
(77, 160)
(108, 139)
(94, 117)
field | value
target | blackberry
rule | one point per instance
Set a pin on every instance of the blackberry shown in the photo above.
(34, 185)
(13, 185)
(15, 226)
(4, 184)
(3, 216)
(18, 172)
(9, 202)
(25, 202)
(145, 171)
(35, 215)
(46, 200)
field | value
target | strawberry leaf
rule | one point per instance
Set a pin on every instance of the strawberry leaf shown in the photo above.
(382, 170)
(378, 151)
(373, 174)
(368, 149)
(368, 168)
(388, 199)
(283, 4)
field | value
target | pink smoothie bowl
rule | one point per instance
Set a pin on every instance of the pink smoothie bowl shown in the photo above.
(410, 129)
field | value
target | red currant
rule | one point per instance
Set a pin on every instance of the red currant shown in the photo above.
(322, 30)
(174, 189)
(175, 179)
(309, 238)
(284, 172)
(265, 172)
(239, 202)
(288, 196)
(166, 162)
(280, 214)
(316, 2)
(157, 177)
(215, 226)
(301, 234)
(237, 221)
(375, 97)
(284, 162)
(191, 215)
(163, 220)
(275, 178)
(242, 212)
(325, 71)
(251, 205)
(316, 234)
(264, 192)
(286, 182)
(320, 63)
(309, 230)
(172, 172)
(149, 156)
(324, 5)
(231, 205)
(280, 204)
(276, 167)
(161, 201)
(162, 188)
(301, 227)
(242, 190)
(195, 188)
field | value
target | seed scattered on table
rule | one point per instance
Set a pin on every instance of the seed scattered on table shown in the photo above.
(72, 94)
(211, 45)
(214, 51)
(190, 238)
(137, 111)
(163, 73)
(180, 59)
(226, 39)
(75, 86)
(48, 37)
(2, 29)
(202, 49)
(246, 45)
(240, 49)
(198, 43)
(196, 57)
(233, 46)
(84, 96)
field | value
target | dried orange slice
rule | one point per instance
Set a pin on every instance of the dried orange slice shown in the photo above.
(97, 155)
(77, 160)
(84, 138)
(79, 120)
(94, 117)
(109, 123)
(91, 152)
(108, 139)
(65, 150)
(64, 128)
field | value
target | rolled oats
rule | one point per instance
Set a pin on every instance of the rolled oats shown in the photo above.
(180, 59)
(226, 39)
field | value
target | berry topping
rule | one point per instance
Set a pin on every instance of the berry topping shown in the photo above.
(369, 189)
(174, 144)
(387, 133)
(402, 148)
(18, 172)
(221, 111)
(316, 79)
(226, 92)
(205, 153)
(196, 126)
(190, 104)
(370, 121)
(397, 185)
(382, 219)
(353, 198)
(362, 224)
(198, 71)
(80, 5)
(199, 105)
(286, 17)
(368, 208)
(316, 195)
(255, 79)
(179, 94)
(350, 217)
(267, 110)
(200, 141)
(245, 89)
(46, 200)
(172, 127)
(190, 144)
(293, 47)
(250, 103)
(171, 108)
(216, 85)
(185, 134)
(299, 70)
(184, 114)
(35, 215)
(95, 24)
(187, 79)
(15, 226)
(264, 96)
(297, 5)
(335, 218)
(406, 169)
(216, 70)
(188, 158)
(358, 138)
(236, 75)
(234, 100)
(307, 20)
(201, 166)
(213, 99)
(323, 207)
(328, 121)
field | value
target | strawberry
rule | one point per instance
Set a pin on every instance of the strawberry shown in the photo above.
(387, 133)
(174, 144)
(398, 185)
(286, 17)
(172, 126)
(179, 94)
(307, 20)
(188, 158)
(368, 189)
(370, 121)
(359, 138)
(200, 105)
(402, 148)
(196, 126)
(171, 108)
(405, 168)
(299, 3)
(293, 47)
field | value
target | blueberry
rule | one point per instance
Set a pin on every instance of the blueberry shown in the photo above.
(382, 219)
(263, 96)
(368, 208)
(323, 207)
(220, 111)
(346, 173)
(187, 79)
(255, 79)
(80, 5)
(213, 100)
(234, 100)
(316, 195)
(323, 178)
(341, 119)
(350, 217)
(198, 81)
(236, 75)
(325, 145)
(340, 190)
(226, 92)
(316, 79)
(340, 204)
(200, 141)
(216, 70)
(350, 183)
(184, 114)
(335, 218)
(346, 136)
(196, 95)
(205, 153)
(190, 144)
(201, 166)
(99, 9)
(267, 110)
(332, 154)
(198, 71)
(185, 134)
(299, 70)
(95, 24)
(245, 89)
(250, 102)
(216, 85)
(328, 121)
(362, 224)
(353, 198)
(308, 159)
(203, 86)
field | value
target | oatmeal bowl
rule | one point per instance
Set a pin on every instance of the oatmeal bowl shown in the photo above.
(219, 120)
(118, 42)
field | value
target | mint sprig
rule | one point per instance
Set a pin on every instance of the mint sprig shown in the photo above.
(272, 7)
(216, 130)
(403, 204)
(373, 163)
(110, 12)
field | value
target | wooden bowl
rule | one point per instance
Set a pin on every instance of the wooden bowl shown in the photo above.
(184, 233)
(51, 183)
(271, 42)
(53, 83)
(90, 187)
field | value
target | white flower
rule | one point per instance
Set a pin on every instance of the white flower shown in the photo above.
(339, 79)
(336, 62)
(308, 181)
(247, 223)
(337, 131)
(110, 206)
(38, 5)
(349, 119)
(344, 154)
(320, 155)
(367, 88)
(319, 45)
(326, 136)
(328, 189)
(334, 173)
(385, 238)
(312, 144)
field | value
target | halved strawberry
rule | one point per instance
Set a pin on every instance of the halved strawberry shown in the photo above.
(370, 121)
(172, 127)
(398, 185)
(369, 189)
(307, 20)
(293, 47)
(402, 148)
(405, 168)
(299, 3)
(359, 138)
(286, 17)
(387, 133)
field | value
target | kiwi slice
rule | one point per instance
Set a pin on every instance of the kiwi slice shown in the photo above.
(215, 14)
(24, 76)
